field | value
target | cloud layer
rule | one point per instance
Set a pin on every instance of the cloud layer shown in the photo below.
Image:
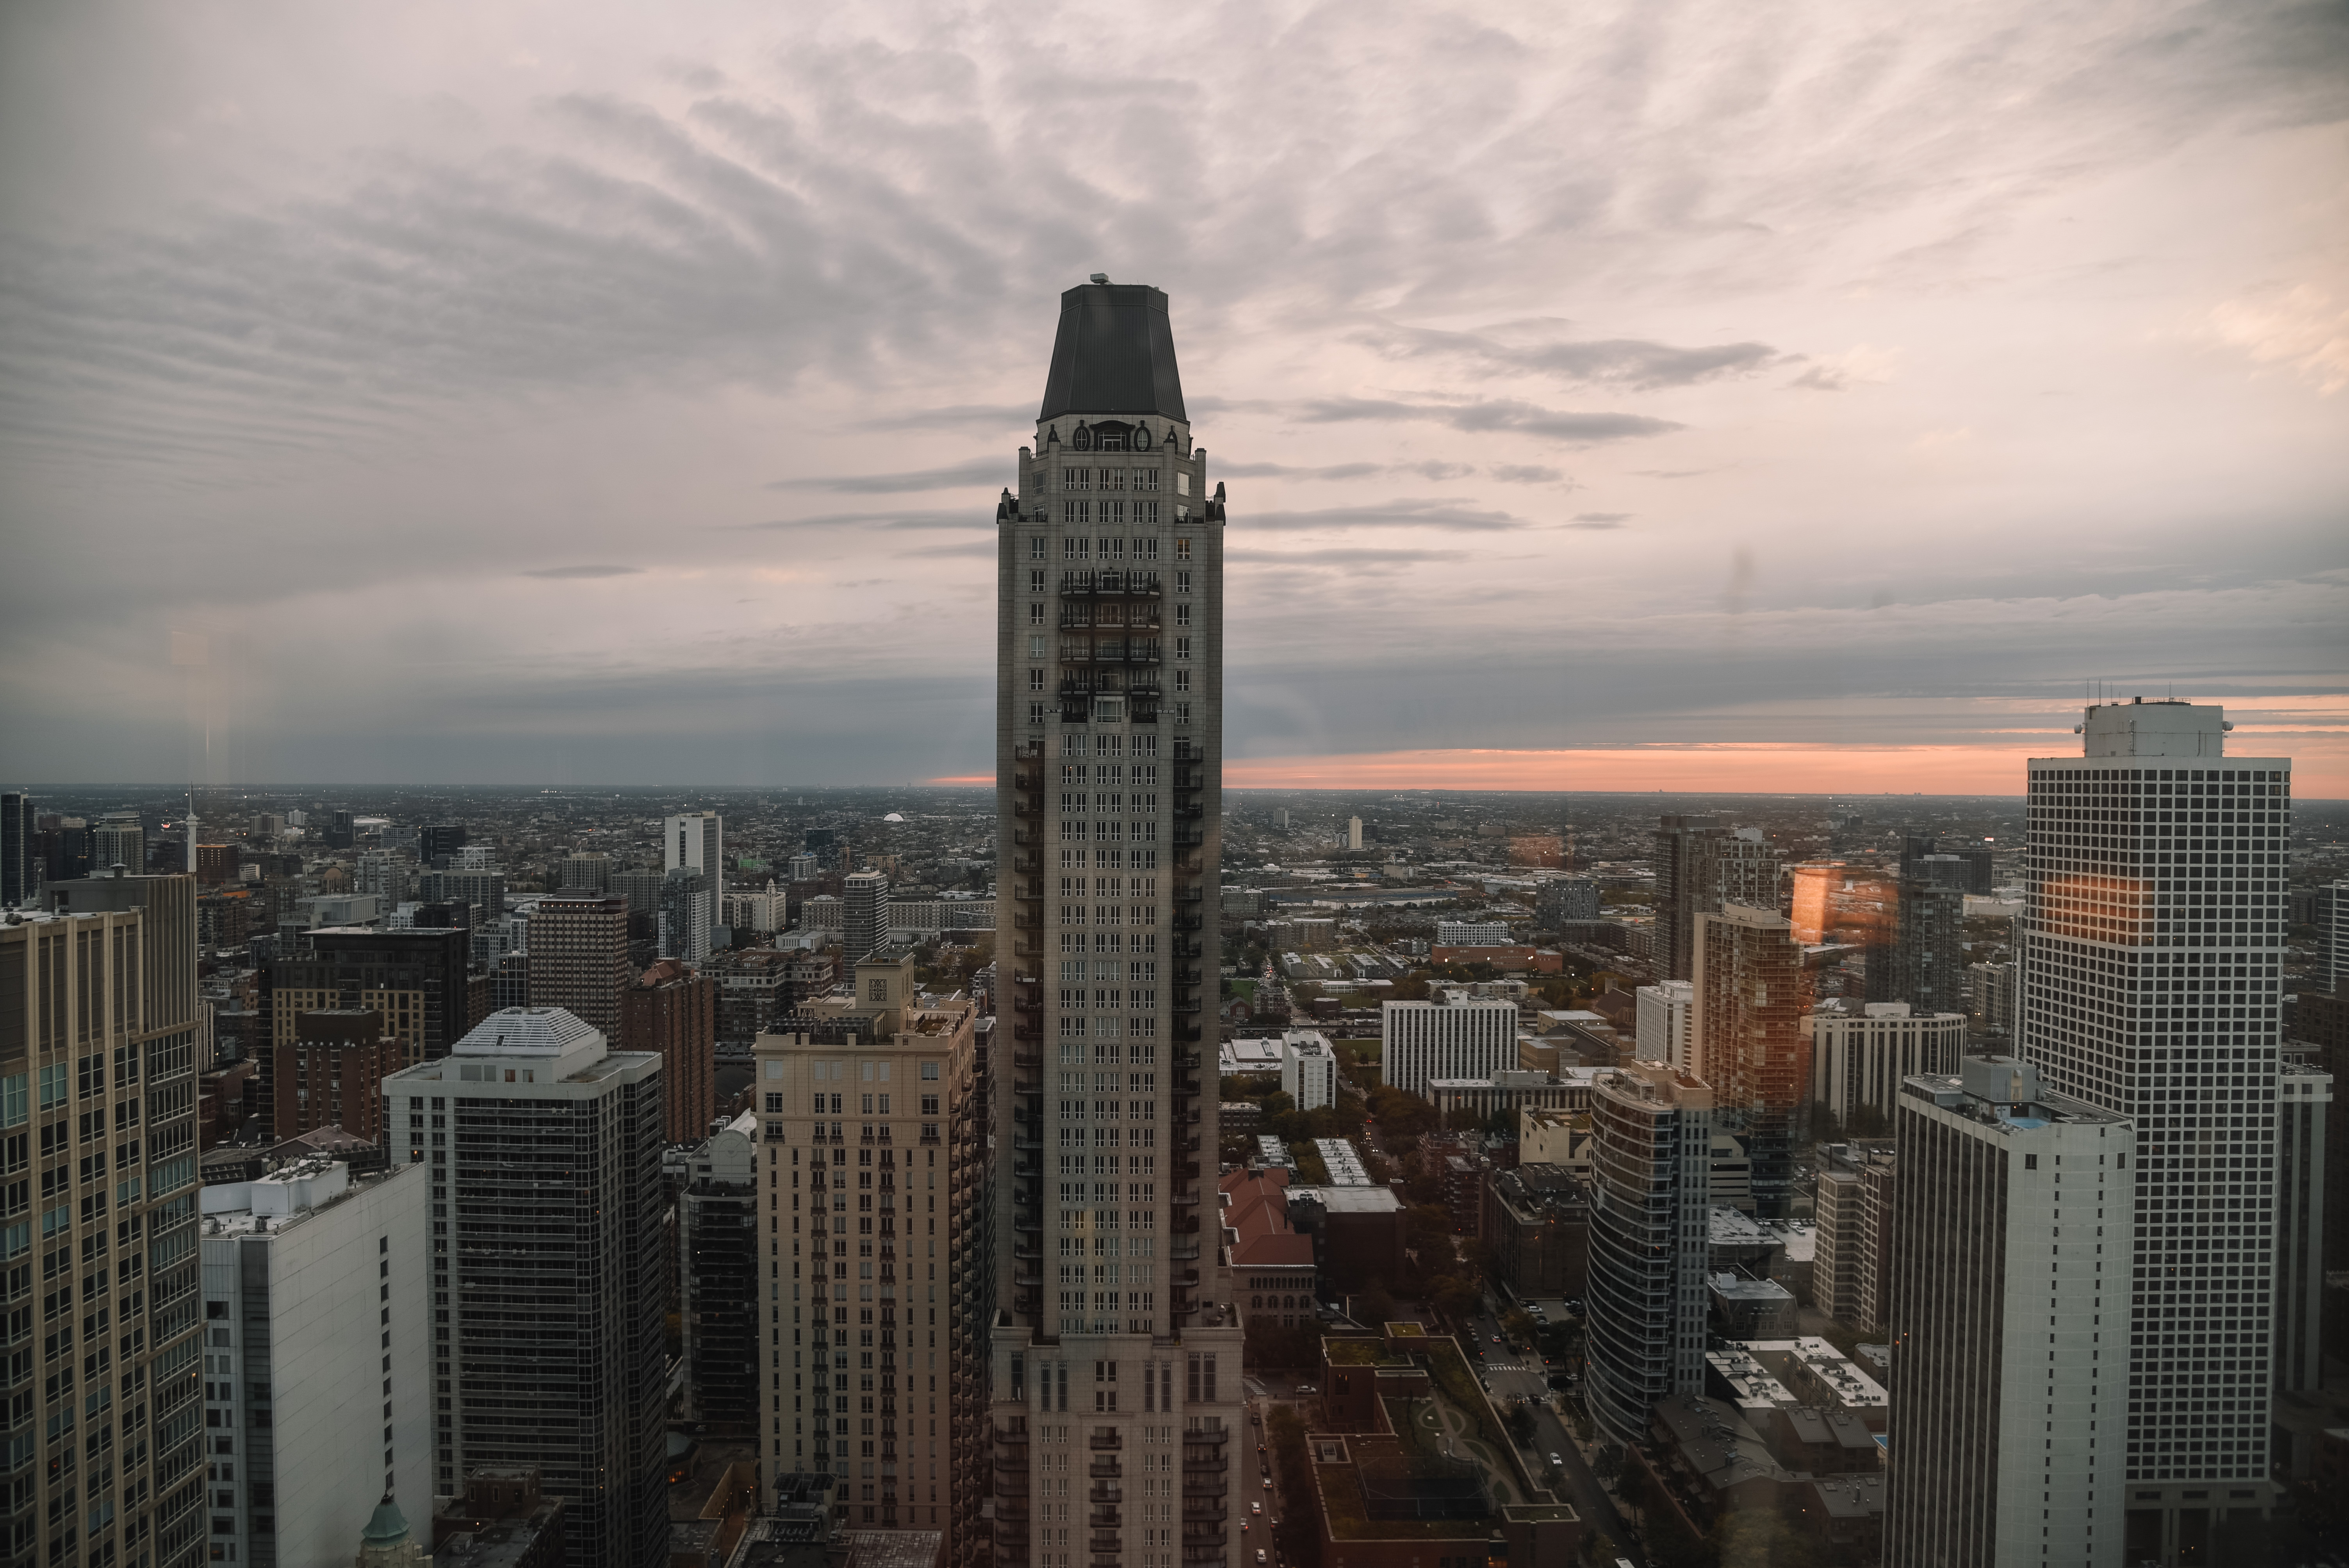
(626, 399)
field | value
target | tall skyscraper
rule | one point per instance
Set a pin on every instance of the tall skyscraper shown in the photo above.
(696, 841)
(685, 922)
(97, 1019)
(579, 957)
(1746, 1020)
(718, 1256)
(588, 871)
(1931, 954)
(1685, 888)
(1651, 1183)
(2010, 1201)
(2150, 942)
(118, 840)
(1662, 1017)
(866, 1265)
(20, 868)
(1109, 756)
(549, 1238)
(866, 895)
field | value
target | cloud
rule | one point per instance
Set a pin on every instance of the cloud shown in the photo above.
(970, 517)
(1633, 363)
(1362, 558)
(1390, 514)
(2300, 328)
(977, 472)
(1835, 373)
(1599, 520)
(1501, 414)
(1527, 474)
(1434, 469)
(570, 572)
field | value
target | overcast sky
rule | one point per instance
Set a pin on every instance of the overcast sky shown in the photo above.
(1687, 396)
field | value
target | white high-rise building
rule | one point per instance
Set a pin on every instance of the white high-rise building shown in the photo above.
(1860, 1052)
(1450, 1035)
(1308, 1068)
(1354, 832)
(2011, 1230)
(2150, 942)
(1661, 1020)
(1653, 1193)
(695, 840)
(316, 1324)
(1115, 1367)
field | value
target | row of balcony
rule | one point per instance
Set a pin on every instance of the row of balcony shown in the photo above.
(1085, 613)
(1137, 583)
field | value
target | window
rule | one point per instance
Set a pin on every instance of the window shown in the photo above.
(1183, 552)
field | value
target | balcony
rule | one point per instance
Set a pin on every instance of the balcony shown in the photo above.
(1188, 838)
(1109, 1543)
(1105, 1442)
(1204, 1484)
(1106, 1493)
(1104, 1519)
(1105, 1469)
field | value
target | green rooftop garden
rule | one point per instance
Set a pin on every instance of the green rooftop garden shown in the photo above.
(1354, 1352)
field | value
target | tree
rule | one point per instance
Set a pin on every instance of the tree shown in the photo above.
(1518, 1325)
(1607, 1462)
(1825, 1127)
(1373, 1306)
(1520, 1423)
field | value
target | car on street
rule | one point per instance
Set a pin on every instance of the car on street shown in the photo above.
(1307, 1388)
(1255, 1508)
(1260, 1556)
(1496, 1339)
(1268, 1484)
(1556, 1462)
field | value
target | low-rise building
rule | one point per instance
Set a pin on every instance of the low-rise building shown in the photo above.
(1357, 1233)
(1505, 1093)
(1537, 1223)
(1271, 1262)
(503, 1519)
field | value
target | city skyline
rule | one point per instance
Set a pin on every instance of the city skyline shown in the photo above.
(625, 404)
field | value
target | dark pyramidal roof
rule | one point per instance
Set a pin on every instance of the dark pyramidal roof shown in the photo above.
(1115, 354)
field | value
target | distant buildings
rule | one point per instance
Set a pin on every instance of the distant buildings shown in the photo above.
(1747, 1001)
(695, 841)
(332, 1073)
(543, 1151)
(864, 912)
(1651, 1183)
(1450, 1035)
(1566, 900)
(1471, 933)
(2014, 1351)
(579, 957)
(686, 922)
(316, 1320)
(1686, 887)
(672, 1013)
(1932, 961)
